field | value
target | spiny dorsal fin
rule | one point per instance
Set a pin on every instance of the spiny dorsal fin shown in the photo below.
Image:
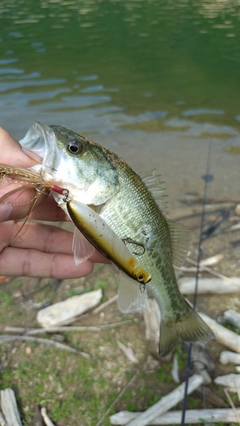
(157, 188)
(130, 298)
(179, 235)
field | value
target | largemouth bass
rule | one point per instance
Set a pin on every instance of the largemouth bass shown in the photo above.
(95, 176)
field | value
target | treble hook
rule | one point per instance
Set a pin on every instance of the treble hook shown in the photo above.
(131, 241)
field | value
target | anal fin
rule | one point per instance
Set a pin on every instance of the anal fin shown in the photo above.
(132, 297)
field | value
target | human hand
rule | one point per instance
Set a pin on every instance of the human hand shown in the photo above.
(36, 250)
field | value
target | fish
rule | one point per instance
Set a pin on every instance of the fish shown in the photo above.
(132, 205)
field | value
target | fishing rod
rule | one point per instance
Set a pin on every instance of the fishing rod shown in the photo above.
(207, 179)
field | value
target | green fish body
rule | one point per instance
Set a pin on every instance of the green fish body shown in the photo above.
(96, 176)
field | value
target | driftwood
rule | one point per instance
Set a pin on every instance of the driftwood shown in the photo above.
(225, 415)
(209, 285)
(66, 312)
(128, 352)
(227, 357)
(167, 402)
(213, 260)
(232, 317)
(231, 381)
(9, 408)
(222, 334)
(45, 417)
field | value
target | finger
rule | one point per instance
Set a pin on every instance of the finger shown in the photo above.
(33, 263)
(49, 210)
(13, 154)
(22, 202)
(44, 238)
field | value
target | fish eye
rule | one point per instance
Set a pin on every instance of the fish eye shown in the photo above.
(75, 147)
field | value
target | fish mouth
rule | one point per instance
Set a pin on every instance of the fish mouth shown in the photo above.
(42, 141)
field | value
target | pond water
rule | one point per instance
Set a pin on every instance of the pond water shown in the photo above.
(155, 80)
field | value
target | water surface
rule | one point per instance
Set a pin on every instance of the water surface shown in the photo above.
(155, 80)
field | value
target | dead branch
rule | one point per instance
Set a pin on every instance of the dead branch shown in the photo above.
(5, 339)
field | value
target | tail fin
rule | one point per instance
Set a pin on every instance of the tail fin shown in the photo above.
(189, 328)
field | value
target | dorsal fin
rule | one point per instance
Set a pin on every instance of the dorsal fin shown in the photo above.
(157, 188)
(179, 235)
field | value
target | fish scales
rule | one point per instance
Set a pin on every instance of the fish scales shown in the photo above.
(120, 214)
(97, 177)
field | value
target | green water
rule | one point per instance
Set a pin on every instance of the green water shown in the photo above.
(126, 72)
(135, 56)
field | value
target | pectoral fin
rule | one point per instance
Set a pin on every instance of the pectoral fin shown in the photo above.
(132, 297)
(81, 247)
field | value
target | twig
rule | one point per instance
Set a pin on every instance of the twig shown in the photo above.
(232, 404)
(45, 417)
(104, 305)
(205, 268)
(33, 331)
(128, 385)
(4, 339)
(99, 308)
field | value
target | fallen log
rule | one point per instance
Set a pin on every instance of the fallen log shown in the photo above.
(167, 402)
(67, 311)
(227, 357)
(212, 415)
(230, 381)
(187, 285)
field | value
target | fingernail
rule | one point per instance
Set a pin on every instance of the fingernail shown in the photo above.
(5, 211)
(32, 155)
